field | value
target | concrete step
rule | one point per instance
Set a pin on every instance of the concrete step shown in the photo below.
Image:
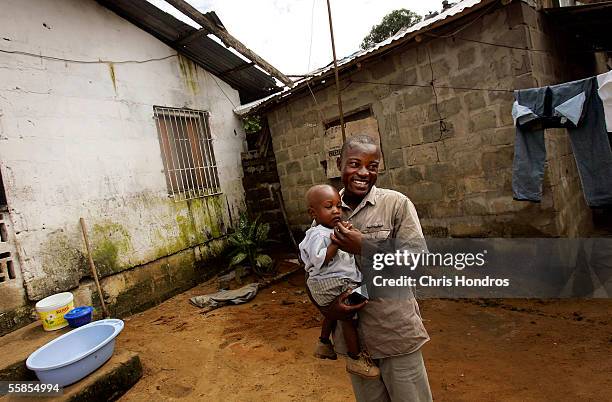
(16, 346)
(108, 383)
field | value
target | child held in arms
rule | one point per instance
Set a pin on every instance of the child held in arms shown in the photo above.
(331, 272)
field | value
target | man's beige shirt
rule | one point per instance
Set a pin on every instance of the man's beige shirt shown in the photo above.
(387, 327)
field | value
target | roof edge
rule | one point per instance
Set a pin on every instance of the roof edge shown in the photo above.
(399, 39)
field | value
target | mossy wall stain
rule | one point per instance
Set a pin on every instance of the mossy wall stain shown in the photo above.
(187, 230)
(110, 241)
(192, 223)
(197, 221)
(189, 72)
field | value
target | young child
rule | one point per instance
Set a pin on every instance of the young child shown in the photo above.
(330, 272)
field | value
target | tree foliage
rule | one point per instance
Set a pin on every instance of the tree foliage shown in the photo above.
(390, 24)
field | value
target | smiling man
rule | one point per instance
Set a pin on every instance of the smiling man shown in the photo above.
(391, 329)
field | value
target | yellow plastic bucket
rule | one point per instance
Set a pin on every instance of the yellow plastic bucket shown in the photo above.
(51, 310)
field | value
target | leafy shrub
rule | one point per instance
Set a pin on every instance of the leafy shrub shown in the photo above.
(247, 242)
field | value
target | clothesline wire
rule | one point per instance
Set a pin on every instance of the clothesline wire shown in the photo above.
(41, 56)
(486, 43)
(429, 86)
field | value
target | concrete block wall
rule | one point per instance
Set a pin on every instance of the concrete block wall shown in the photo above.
(260, 184)
(459, 179)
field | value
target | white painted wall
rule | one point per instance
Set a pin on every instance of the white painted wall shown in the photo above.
(73, 143)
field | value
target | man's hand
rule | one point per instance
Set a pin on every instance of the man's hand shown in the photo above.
(339, 310)
(348, 240)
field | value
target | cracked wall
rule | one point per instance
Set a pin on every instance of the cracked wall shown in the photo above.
(80, 140)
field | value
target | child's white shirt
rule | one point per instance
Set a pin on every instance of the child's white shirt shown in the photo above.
(313, 250)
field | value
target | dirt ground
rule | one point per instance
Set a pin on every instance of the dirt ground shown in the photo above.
(487, 350)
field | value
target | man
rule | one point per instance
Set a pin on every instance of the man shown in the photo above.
(390, 329)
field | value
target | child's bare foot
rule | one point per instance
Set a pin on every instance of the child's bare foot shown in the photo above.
(363, 366)
(325, 351)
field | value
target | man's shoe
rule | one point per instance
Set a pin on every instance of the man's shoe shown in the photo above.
(325, 351)
(363, 366)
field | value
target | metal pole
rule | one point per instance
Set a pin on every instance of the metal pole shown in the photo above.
(331, 32)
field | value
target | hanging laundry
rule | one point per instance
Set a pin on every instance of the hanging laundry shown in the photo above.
(576, 106)
(604, 81)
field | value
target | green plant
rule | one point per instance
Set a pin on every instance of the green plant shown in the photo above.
(251, 124)
(248, 241)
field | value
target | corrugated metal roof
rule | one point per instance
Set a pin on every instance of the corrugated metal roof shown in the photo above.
(251, 82)
(456, 11)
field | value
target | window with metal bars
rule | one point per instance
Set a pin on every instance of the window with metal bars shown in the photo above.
(187, 150)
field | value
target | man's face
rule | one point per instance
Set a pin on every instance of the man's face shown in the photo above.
(359, 169)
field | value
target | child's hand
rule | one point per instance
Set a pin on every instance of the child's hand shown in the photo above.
(347, 224)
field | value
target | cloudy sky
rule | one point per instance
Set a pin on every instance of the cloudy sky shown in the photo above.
(280, 30)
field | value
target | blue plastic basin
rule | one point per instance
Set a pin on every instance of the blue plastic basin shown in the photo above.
(75, 355)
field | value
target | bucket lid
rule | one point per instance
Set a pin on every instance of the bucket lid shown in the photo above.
(78, 312)
(54, 301)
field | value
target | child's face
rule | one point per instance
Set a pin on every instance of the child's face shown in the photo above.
(328, 209)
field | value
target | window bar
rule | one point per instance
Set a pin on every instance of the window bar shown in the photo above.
(186, 166)
(212, 154)
(203, 151)
(169, 166)
(189, 149)
(180, 134)
(200, 166)
(189, 153)
(194, 155)
(205, 171)
(205, 133)
(198, 148)
(174, 154)
(179, 153)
